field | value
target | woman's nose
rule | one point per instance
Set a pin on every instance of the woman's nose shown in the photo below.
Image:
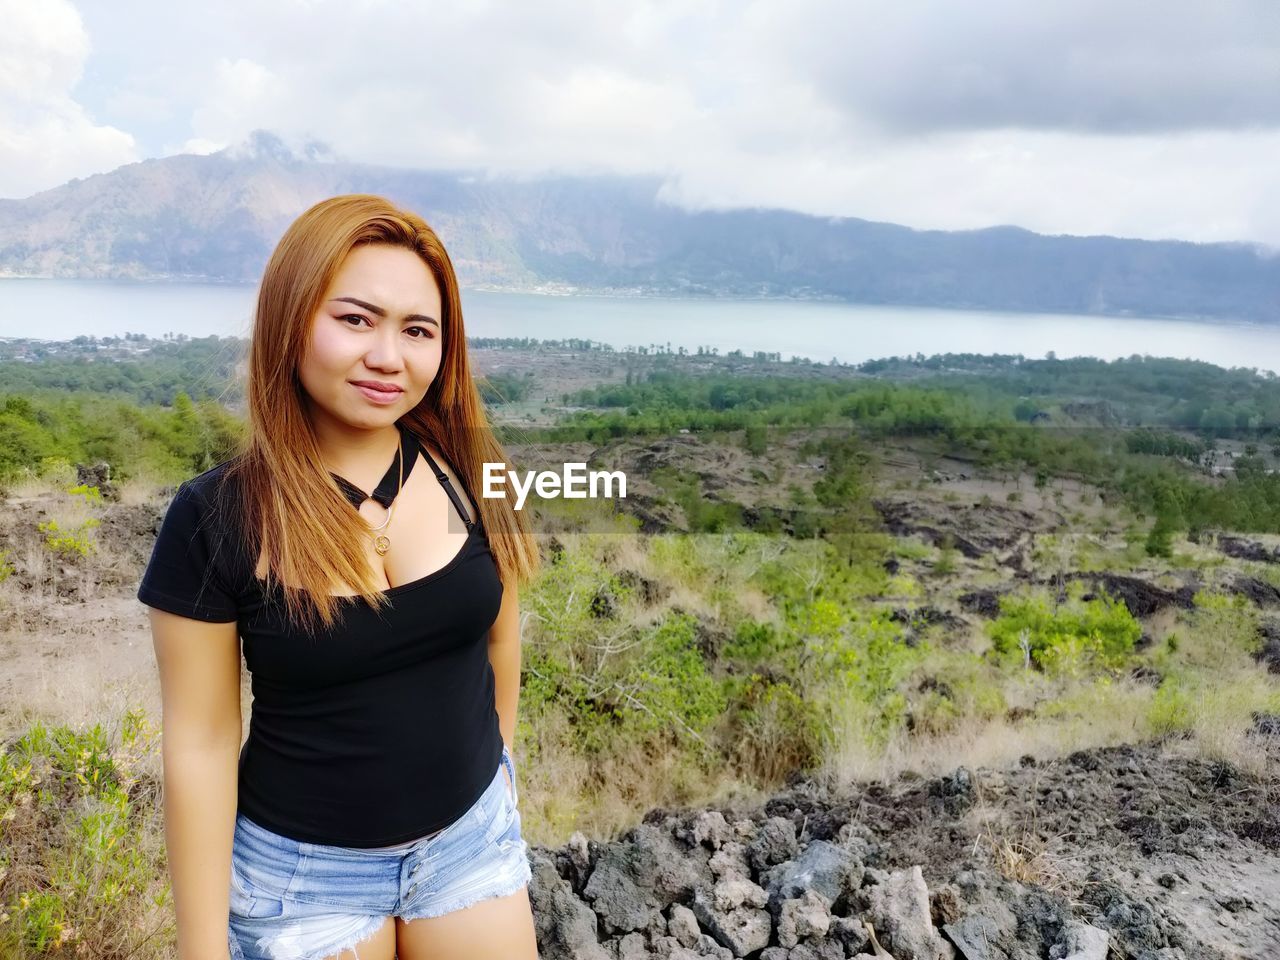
(384, 353)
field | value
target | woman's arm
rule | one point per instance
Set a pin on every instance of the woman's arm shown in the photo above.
(504, 657)
(200, 743)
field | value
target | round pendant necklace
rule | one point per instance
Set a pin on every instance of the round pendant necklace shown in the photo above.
(381, 542)
(384, 494)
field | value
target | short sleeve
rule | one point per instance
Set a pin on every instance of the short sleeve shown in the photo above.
(185, 574)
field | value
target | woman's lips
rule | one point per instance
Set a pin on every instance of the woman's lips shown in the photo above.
(379, 396)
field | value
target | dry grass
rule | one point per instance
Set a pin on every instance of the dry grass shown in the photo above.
(144, 487)
(1025, 857)
(1088, 716)
(28, 486)
(562, 791)
(1022, 851)
(78, 664)
(1081, 715)
(1221, 719)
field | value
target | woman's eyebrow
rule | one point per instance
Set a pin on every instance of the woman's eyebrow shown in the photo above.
(378, 311)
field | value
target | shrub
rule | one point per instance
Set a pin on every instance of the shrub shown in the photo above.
(804, 525)
(91, 494)
(69, 543)
(781, 731)
(858, 661)
(672, 689)
(1170, 712)
(1225, 626)
(1060, 638)
(1159, 542)
(92, 875)
(934, 713)
(946, 562)
(57, 470)
(755, 643)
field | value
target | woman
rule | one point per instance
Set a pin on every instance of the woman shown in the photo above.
(372, 812)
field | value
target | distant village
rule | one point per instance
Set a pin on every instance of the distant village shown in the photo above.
(89, 348)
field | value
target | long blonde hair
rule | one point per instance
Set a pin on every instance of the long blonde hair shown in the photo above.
(290, 506)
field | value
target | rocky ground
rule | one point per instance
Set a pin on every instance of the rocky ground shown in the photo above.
(1148, 852)
(1122, 852)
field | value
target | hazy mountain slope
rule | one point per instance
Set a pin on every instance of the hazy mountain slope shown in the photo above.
(216, 217)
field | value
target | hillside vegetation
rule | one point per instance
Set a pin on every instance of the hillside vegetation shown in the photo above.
(841, 575)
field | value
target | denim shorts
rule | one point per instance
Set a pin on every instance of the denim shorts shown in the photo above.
(307, 901)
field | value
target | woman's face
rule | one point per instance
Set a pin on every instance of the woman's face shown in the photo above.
(391, 339)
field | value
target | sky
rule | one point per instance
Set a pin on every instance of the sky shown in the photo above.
(1157, 119)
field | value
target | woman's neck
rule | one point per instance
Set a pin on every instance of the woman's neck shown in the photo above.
(355, 454)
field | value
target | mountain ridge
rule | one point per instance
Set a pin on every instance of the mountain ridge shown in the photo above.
(216, 217)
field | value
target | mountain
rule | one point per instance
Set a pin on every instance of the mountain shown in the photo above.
(216, 218)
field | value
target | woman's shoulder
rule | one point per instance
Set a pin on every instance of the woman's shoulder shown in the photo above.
(215, 483)
(192, 572)
(211, 500)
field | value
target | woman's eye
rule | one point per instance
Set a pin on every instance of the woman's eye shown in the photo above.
(426, 334)
(354, 316)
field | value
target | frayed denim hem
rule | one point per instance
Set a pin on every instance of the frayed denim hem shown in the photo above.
(522, 880)
(354, 941)
(288, 945)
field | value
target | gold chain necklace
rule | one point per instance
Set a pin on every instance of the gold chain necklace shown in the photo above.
(381, 542)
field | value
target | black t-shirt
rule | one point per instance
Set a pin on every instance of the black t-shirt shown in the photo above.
(379, 731)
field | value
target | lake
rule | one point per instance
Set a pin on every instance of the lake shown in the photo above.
(62, 309)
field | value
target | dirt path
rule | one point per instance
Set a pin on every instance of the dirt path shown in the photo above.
(84, 661)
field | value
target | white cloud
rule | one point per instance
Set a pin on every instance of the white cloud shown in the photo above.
(1205, 186)
(1138, 118)
(243, 95)
(138, 106)
(46, 138)
(198, 146)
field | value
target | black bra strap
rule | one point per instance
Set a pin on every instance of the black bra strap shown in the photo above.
(448, 488)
